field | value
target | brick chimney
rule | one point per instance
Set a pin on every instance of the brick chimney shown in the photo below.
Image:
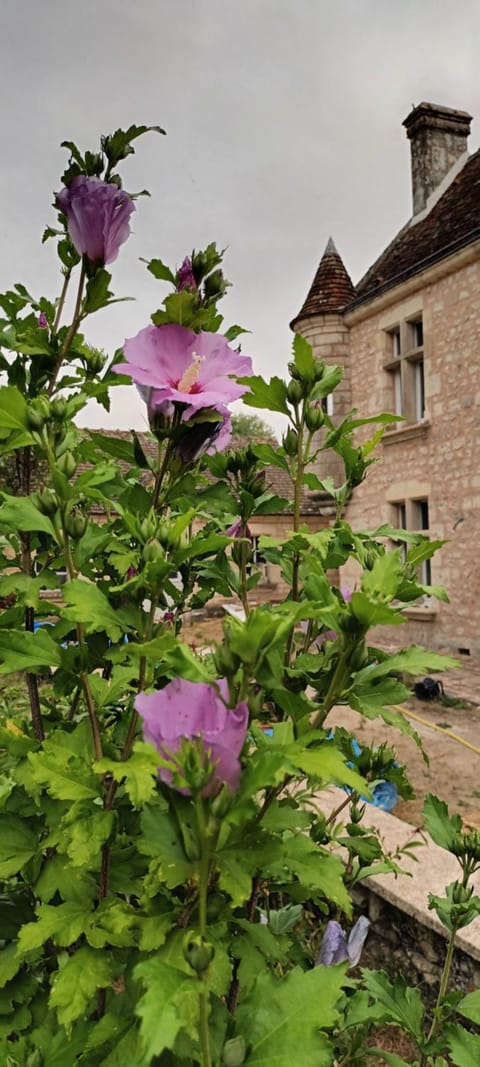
(438, 137)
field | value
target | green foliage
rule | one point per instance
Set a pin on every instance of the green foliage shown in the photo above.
(146, 922)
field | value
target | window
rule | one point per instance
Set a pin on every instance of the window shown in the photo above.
(404, 365)
(413, 515)
(258, 559)
(327, 404)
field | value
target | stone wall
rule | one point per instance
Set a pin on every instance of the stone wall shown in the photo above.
(437, 458)
(399, 944)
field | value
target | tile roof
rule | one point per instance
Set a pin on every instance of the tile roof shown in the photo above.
(452, 223)
(331, 288)
(278, 481)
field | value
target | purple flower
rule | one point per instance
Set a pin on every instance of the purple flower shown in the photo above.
(43, 321)
(337, 948)
(97, 215)
(239, 529)
(196, 710)
(177, 365)
(346, 593)
(186, 277)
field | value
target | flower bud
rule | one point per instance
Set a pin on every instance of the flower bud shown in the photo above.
(59, 407)
(234, 1052)
(42, 405)
(461, 894)
(294, 391)
(215, 906)
(198, 952)
(153, 551)
(290, 442)
(67, 464)
(215, 285)
(75, 524)
(314, 418)
(47, 502)
(226, 661)
(294, 372)
(319, 369)
(222, 803)
(35, 420)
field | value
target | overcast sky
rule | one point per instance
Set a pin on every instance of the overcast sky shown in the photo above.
(284, 126)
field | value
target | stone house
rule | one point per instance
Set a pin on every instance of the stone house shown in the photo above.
(408, 337)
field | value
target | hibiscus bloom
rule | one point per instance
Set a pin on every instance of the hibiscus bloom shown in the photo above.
(337, 948)
(194, 710)
(196, 370)
(97, 214)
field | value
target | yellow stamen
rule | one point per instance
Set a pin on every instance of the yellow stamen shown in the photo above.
(190, 375)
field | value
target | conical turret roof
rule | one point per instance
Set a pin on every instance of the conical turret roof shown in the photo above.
(331, 289)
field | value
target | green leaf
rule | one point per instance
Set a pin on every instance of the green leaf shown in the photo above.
(139, 773)
(303, 357)
(18, 843)
(63, 771)
(168, 1006)
(384, 579)
(443, 828)
(63, 922)
(9, 964)
(21, 513)
(13, 409)
(87, 604)
(327, 763)
(469, 1007)
(283, 1017)
(464, 1047)
(23, 651)
(270, 395)
(119, 144)
(161, 271)
(161, 840)
(76, 983)
(403, 1005)
(87, 829)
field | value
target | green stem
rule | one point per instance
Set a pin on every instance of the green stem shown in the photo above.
(61, 302)
(203, 877)
(243, 573)
(442, 992)
(77, 315)
(84, 679)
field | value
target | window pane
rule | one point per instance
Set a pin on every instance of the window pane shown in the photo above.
(395, 342)
(418, 333)
(419, 391)
(397, 385)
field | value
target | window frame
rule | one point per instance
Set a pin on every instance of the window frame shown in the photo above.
(405, 364)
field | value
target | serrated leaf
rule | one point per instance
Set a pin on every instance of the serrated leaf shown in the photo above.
(327, 763)
(270, 395)
(161, 271)
(443, 828)
(464, 1047)
(63, 922)
(388, 1057)
(76, 983)
(160, 840)
(303, 357)
(25, 651)
(13, 409)
(168, 1006)
(139, 773)
(85, 603)
(403, 1004)
(21, 513)
(283, 1018)
(469, 1007)
(18, 843)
